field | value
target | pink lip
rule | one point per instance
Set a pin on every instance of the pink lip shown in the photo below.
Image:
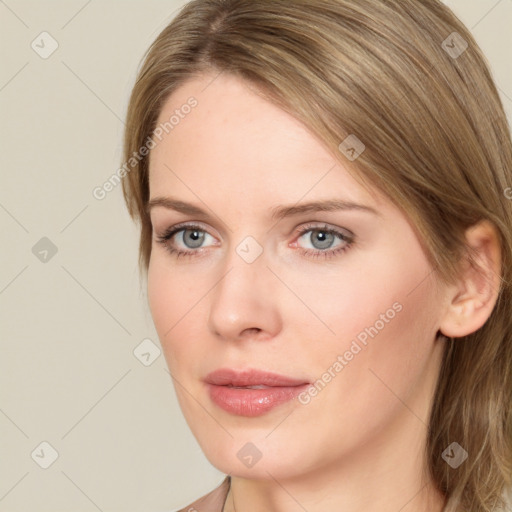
(226, 376)
(223, 387)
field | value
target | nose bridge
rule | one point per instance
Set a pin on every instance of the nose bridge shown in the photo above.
(242, 299)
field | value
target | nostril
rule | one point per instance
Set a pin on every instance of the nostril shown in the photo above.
(251, 331)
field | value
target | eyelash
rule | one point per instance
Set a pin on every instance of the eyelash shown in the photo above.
(327, 254)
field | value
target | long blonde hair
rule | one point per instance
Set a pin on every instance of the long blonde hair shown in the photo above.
(408, 80)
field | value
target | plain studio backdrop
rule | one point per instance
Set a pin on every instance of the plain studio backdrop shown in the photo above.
(88, 414)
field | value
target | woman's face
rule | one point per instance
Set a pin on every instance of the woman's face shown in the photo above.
(344, 298)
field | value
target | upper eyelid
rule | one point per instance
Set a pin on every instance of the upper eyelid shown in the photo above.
(166, 226)
(181, 226)
(312, 226)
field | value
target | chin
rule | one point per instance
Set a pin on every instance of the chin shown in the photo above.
(253, 456)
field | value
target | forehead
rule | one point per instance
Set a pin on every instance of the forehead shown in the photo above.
(234, 139)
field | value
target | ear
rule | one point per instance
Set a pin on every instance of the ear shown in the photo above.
(472, 299)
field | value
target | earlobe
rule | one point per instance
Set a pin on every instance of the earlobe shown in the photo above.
(472, 299)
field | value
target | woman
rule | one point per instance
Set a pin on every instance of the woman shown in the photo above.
(323, 191)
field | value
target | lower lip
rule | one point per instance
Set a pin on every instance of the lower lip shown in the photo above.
(252, 402)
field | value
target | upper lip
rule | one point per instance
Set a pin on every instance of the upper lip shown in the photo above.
(250, 377)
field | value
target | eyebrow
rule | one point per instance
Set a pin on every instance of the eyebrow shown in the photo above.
(278, 213)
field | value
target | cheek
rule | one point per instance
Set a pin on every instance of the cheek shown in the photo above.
(339, 305)
(174, 298)
(162, 296)
(172, 291)
(375, 309)
(168, 299)
(384, 320)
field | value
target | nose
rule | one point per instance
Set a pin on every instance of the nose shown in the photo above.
(244, 303)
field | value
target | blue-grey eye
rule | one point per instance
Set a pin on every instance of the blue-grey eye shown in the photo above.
(192, 238)
(320, 239)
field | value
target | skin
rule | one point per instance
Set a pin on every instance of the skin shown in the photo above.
(358, 445)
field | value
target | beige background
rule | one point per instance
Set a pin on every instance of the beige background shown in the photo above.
(69, 326)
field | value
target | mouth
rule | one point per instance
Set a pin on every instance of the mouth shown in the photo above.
(251, 392)
(251, 379)
(247, 387)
